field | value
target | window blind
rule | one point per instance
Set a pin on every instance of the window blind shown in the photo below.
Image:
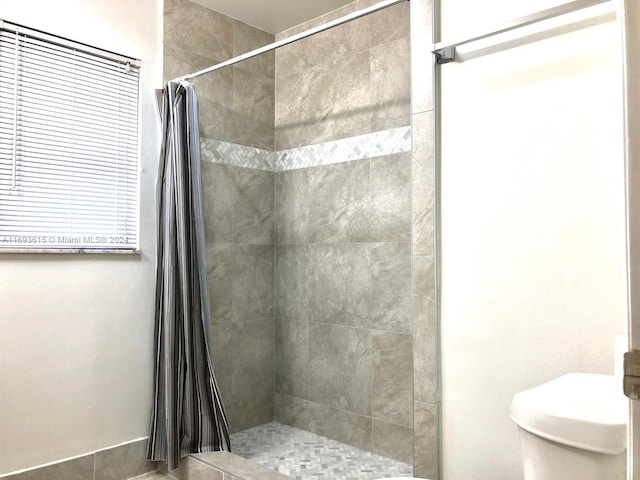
(68, 145)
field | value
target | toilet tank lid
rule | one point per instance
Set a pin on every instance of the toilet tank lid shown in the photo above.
(582, 410)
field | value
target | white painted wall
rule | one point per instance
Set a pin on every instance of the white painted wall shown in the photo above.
(76, 330)
(533, 252)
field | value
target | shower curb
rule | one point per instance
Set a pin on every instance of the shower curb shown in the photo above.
(222, 466)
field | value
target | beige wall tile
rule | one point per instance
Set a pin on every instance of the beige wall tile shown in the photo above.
(292, 206)
(254, 207)
(247, 38)
(223, 350)
(219, 193)
(123, 462)
(339, 104)
(254, 97)
(236, 103)
(76, 469)
(248, 398)
(347, 427)
(391, 198)
(188, 26)
(291, 59)
(393, 441)
(421, 57)
(327, 17)
(425, 333)
(389, 24)
(327, 47)
(425, 462)
(424, 320)
(423, 184)
(340, 284)
(292, 282)
(390, 85)
(340, 370)
(292, 110)
(393, 379)
(339, 203)
(292, 357)
(216, 119)
(390, 288)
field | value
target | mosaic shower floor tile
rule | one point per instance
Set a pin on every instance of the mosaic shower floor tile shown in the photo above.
(307, 456)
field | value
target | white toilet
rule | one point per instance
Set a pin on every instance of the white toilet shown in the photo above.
(573, 428)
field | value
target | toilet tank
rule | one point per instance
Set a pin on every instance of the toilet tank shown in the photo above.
(581, 410)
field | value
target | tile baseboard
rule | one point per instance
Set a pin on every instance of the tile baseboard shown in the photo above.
(120, 462)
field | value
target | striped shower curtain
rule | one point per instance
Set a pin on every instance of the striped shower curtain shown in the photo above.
(187, 414)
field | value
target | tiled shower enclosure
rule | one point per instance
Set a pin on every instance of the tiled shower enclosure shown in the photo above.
(310, 228)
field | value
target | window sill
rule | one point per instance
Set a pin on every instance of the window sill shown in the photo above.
(110, 251)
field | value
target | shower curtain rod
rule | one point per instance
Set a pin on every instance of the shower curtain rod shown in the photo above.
(307, 33)
(446, 52)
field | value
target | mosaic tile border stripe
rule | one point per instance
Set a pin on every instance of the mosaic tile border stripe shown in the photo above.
(216, 151)
(386, 142)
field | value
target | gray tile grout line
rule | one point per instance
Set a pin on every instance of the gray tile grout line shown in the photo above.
(371, 417)
(373, 393)
(275, 278)
(375, 330)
